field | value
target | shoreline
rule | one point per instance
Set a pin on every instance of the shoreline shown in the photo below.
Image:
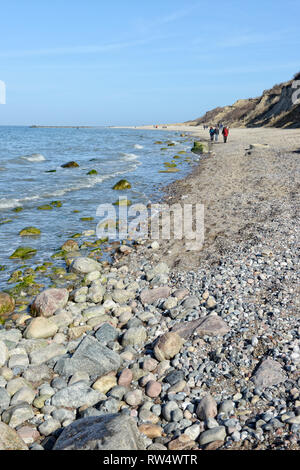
(226, 310)
(73, 223)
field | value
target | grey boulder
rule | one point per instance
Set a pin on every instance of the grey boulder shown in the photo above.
(91, 357)
(110, 432)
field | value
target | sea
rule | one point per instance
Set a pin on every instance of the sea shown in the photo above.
(31, 175)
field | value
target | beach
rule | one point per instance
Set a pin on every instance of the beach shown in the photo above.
(175, 349)
(242, 190)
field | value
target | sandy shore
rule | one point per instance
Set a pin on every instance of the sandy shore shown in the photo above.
(170, 349)
(243, 190)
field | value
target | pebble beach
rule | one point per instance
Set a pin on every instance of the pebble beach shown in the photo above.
(160, 348)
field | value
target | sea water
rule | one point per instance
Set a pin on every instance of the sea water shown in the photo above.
(31, 175)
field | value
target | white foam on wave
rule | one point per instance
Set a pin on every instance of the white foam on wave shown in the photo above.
(12, 203)
(89, 183)
(85, 184)
(34, 157)
(130, 156)
(8, 203)
(138, 146)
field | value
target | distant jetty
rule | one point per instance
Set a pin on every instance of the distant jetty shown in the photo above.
(62, 127)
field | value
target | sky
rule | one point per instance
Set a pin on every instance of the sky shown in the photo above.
(134, 62)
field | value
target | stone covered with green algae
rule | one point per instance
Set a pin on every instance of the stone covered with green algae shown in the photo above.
(122, 202)
(45, 207)
(121, 185)
(23, 252)
(56, 203)
(29, 231)
(7, 304)
(200, 147)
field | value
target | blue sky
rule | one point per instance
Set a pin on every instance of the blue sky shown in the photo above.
(135, 62)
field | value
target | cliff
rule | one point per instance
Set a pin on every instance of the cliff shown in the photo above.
(274, 108)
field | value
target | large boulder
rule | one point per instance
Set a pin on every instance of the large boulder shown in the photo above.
(160, 268)
(29, 231)
(7, 304)
(16, 415)
(70, 245)
(135, 336)
(186, 329)
(42, 355)
(90, 356)
(48, 301)
(76, 395)
(212, 435)
(269, 373)
(82, 265)
(9, 439)
(200, 147)
(23, 252)
(149, 296)
(40, 327)
(70, 165)
(121, 185)
(110, 432)
(211, 325)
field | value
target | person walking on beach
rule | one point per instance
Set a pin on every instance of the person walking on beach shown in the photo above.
(225, 133)
(211, 133)
(216, 134)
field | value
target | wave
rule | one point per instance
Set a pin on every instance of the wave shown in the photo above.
(12, 203)
(34, 157)
(90, 183)
(83, 184)
(138, 146)
(130, 156)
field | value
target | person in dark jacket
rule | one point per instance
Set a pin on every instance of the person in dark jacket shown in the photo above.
(217, 132)
(225, 133)
(211, 133)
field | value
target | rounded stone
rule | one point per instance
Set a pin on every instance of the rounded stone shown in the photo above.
(70, 245)
(25, 394)
(84, 265)
(135, 336)
(167, 346)
(28, 434)
(153, 389)
(207, 408)
(211, 435)
(125, 378)
(49, 426)
(134, 398)
(150, 364)
(152, 431)
(41, 327)
(104, 384)
(49, 301)
(9, 439)
(7, 304)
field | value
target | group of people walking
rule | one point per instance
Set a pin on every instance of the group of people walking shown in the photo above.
(214, 132)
